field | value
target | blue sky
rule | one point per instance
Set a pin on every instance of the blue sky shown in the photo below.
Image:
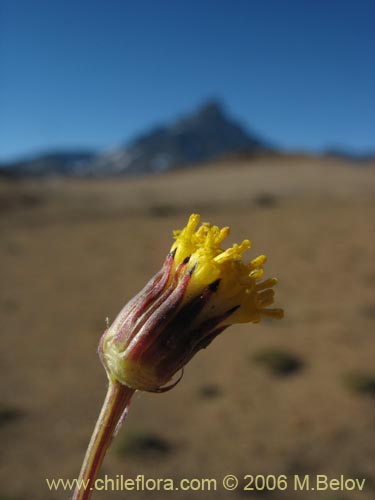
(94, 73)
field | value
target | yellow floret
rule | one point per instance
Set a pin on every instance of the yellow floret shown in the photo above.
(239, 282)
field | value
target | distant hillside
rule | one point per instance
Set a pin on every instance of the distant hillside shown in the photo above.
(206, 134)
(52, 163)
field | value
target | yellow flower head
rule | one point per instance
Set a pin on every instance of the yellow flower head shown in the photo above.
(200, 291)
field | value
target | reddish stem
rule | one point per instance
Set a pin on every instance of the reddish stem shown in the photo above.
(115, 404)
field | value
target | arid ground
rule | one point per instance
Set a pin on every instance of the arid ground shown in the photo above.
(290, 397)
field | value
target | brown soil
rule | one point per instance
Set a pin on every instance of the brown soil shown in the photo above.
(74, 251)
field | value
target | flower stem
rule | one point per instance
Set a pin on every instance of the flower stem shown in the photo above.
(115, 404)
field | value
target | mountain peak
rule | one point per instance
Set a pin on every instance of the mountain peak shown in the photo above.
(211, 109)
(203, 135)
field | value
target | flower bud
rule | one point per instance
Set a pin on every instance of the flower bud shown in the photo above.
(199, 292)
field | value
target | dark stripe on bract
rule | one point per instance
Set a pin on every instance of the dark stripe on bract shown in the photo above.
(179, 329)
(156, 303)
(153, 328)
(172, 253)
(206, 329)
(206, 341)
(192, 269)
(214, 285)
(181, 358)
(231, 311)
(141, 302)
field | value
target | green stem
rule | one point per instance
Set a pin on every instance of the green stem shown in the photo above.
(115, 404)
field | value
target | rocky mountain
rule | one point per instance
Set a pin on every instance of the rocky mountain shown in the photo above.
(206, 134)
